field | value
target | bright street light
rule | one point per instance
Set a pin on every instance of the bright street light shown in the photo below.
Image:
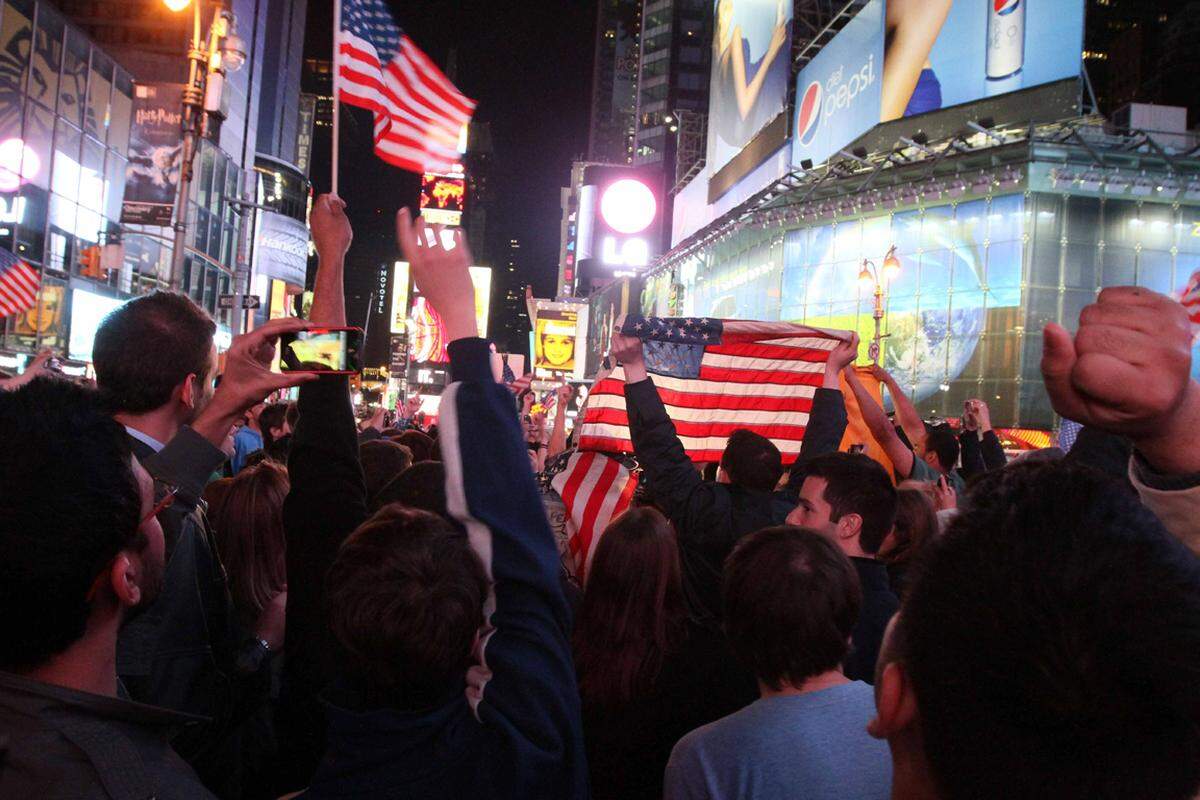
(177, 5)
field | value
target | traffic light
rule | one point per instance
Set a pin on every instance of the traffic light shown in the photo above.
(89, 261)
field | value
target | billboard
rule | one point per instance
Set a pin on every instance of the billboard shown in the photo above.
(619, 229)
(155, 154)
(443, 198)
(605, 307)
(399, 298)
(905, 58)
(748, 90)
(88, 310)
(559, 334)
(427, 338)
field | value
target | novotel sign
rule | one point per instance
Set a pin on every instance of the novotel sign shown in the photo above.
(619, 222)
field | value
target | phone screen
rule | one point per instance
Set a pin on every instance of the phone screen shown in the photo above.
(321, 350)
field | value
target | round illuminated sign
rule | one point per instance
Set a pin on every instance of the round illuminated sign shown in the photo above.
(17, 161)
(628, 206)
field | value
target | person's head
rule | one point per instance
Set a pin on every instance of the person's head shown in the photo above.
(405, 599)
(382, 462)
(557, 344)
(916, 526)
(422, 486)
(791, 601)
(1049, 646)
(724, 24)
(752, 461)
(632, 608)
(418, 443)
(79, 545)
(156, 352)
(248, 521)
(272, 423)
(293, 415)
(847, 497)
(941, 448)
(250, 416)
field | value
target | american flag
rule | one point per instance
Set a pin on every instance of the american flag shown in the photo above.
(18, 284)
(714, 377)
(419, 113)
(1191, 300)
(595, 488)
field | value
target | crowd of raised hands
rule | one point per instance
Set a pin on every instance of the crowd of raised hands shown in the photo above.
(373, 607)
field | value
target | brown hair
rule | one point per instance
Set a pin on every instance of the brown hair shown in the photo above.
(248, 521)
(632, 615)
(419, 443)
(916, 525)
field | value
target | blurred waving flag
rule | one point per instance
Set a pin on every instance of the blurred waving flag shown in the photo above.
(595, 488)
(18, 284)
(714, 377)
(419, 113)
(1191, 300)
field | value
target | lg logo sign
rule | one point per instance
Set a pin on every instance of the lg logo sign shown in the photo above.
(627, 207)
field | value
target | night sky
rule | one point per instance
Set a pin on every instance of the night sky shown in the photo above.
(528, 64)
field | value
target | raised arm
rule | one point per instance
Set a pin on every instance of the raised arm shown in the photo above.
(523, 687)
(881, 430)
(906, 412)
(827, 420)
(558, 436)
(672, 475)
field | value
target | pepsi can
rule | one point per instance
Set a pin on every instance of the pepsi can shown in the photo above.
(1005, 38)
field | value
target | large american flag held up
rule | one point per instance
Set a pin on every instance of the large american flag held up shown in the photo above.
(419, 113)
(714, 377)
(18, 284)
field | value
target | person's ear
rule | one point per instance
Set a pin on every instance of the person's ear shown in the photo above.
(931, 458)
(849, 526)
(895, 703)
(189, 390)
(125, 577)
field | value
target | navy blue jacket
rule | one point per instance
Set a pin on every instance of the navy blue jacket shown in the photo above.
(512, 729)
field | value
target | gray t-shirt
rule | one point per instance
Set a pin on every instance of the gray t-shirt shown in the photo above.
(802, 747)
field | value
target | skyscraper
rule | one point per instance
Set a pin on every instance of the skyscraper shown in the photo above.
(614, 81)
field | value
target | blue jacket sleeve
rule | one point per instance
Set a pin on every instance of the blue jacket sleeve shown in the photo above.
(523, 687)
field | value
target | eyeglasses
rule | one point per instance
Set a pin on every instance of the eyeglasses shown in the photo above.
(164, 502)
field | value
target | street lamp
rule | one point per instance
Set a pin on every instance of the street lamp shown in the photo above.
(870, 278)
(208, 61)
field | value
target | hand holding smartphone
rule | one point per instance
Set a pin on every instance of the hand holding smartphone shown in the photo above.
(329, 351)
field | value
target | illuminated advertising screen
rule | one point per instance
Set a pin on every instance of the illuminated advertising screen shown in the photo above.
(605, 307)
(750, 70)
(620, 221)
(399, 297)
(427, 333)
(910, 57)
(88, 310)
(559, 331)
(443, 198)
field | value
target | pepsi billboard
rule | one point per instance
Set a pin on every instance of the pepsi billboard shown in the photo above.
(905, 58)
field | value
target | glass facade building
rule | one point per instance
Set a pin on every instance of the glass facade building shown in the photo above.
(65, 112)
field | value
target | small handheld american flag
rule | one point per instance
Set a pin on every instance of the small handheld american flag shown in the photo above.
(419, 113)
(19, 284)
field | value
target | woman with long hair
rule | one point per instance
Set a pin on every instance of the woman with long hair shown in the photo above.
(916, 526)
(647, 675)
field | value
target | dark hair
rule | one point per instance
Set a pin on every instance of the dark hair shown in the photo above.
(382, 462)
(148, 346)
(916, 526)
(421, 486)
(274, 415)
(632, 615)
(855, 484)
(293, 414)
(405, 598)
(248, 522)
(418, 443)
(1052, 637)
(791, 600)
(69, 503)
(752, 461)
(941, 441)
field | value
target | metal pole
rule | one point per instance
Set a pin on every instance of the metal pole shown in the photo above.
(193, 105)
(875, 343)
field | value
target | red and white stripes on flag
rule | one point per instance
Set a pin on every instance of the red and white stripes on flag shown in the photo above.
(595, 488)
(760, 376)
(19, 284)
(1191, 300)
(419, 113)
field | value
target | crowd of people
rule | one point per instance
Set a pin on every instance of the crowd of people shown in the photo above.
(209, 592)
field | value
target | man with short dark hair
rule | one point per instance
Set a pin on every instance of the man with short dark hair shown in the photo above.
(1049, 648)
(849, 498)
(791, 599)
(78, 555)
(155, 359)
(710, 517)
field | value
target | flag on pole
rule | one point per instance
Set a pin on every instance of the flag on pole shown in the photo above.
(419, 113)
(714, 377)
(595, 488)
(1191, 300)
(19, 284)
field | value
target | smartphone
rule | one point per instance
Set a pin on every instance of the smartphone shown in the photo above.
(332, 351)
(858, 448)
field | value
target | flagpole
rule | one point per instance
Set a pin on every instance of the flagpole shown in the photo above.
(337, 28)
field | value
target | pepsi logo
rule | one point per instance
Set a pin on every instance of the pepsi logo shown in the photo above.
(1004, 7)
(808, 115)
